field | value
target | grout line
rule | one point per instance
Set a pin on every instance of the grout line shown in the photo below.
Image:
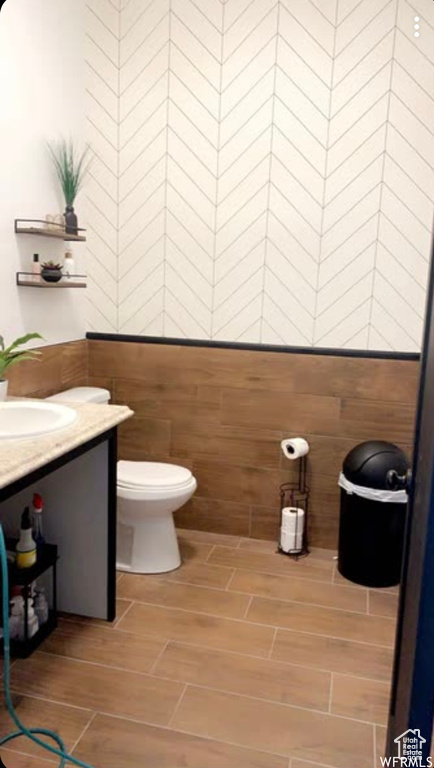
(13, 752)
(177, 705)
(325, 179)
(217, 179)
(118, 166)
(259, 624)
(201, 736)
(270, 654)
(74, 746)
(248, 606)
(164, 648)
(331, 693)
(166, 173)
(175, 641)
(231, 578)
(287, 602)
(383, 171)
(210, 553)
(375, 747)
(50, 701)
(287, 705)
(238, 695)
(117, 620)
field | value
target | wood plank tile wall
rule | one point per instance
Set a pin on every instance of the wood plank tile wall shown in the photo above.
(223, 412)
(59, 367)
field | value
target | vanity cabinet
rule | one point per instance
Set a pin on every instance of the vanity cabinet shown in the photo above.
(79, 517)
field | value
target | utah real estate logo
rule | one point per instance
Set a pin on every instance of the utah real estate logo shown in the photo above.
(409, 752)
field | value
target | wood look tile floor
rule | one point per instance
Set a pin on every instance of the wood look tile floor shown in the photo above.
(239, 659)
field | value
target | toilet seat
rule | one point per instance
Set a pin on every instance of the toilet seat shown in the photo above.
(152, 476)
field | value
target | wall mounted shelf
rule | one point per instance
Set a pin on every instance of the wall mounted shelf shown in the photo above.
(30, 280)
(40, 227)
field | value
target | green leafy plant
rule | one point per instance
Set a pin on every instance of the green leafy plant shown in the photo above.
(71, 167)
(51, 265)
(11, 355)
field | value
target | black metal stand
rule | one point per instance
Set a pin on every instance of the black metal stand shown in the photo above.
(296, 494)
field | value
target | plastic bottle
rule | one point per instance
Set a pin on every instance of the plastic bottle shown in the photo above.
(38, 506)
(69, 265)
(16, 619)
(41, 607)
(36, 269)
(32, 623)
(26, 547)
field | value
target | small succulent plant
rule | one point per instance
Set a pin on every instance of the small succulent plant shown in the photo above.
(51, 265)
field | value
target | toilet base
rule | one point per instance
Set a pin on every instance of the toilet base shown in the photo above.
(151, 547)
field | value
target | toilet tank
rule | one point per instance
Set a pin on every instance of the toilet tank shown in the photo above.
(82, 395)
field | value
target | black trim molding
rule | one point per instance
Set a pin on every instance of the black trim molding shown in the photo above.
(370, 354)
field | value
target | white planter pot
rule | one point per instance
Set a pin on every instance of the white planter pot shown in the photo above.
(3, 389)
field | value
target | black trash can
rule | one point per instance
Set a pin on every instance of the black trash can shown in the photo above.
(372, 519)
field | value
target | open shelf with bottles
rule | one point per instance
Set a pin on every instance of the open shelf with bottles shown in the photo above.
(21, 580)
(43, 229)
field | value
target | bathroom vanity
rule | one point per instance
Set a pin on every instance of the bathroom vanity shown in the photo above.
(75, 472)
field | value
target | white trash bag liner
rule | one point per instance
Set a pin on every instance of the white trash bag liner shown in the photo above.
(373, 494)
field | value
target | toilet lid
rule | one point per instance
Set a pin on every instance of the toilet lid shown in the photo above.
(151, 474)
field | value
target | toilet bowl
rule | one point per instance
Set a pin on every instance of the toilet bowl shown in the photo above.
(148, 494)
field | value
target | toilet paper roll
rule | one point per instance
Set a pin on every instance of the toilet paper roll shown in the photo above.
(294, 448)
(293, 519)
(290, 542)
(292, 529)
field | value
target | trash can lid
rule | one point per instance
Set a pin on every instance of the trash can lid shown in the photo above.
(368, 463)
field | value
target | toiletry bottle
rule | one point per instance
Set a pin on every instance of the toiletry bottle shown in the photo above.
(26, 547)
(41, 607)
(16, 619)
(38, 506)
(32, 620)
(36, 269)
(68, 264)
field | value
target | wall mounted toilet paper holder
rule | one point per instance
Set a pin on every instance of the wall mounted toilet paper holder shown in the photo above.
(294, 504)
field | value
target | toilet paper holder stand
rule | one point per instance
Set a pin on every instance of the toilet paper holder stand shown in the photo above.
(296, 494)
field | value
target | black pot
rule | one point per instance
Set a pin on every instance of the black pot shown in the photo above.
(51, 275)
(71, 221)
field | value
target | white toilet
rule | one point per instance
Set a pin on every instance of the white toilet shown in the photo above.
(148, 494)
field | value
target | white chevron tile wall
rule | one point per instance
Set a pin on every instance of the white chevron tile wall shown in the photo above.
(264, 169)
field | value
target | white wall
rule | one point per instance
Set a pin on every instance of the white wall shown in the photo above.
(41, 97)
(264, 169)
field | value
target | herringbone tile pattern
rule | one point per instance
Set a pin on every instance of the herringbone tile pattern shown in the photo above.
(264, 170)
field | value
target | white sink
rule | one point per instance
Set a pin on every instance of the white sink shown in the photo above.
(22, 419)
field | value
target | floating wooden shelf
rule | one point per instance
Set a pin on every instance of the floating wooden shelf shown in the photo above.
(30, 280)
(29, 227)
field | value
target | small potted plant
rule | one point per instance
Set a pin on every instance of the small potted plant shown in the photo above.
(51, 272)
(11, 356)
(71, 169)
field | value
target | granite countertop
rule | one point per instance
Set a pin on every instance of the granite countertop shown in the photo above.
(20, 457)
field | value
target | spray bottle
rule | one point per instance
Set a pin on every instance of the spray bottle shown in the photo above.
(38, 506)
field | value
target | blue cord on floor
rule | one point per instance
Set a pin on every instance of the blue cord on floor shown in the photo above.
(30, 733)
